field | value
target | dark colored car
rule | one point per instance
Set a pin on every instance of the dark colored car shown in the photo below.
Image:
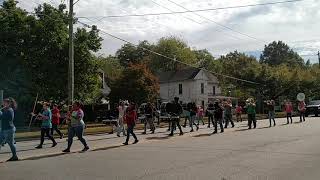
(313, 108)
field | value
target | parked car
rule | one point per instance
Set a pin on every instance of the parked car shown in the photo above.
(313, 108)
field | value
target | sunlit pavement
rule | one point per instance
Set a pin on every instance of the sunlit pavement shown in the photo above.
(282, 152)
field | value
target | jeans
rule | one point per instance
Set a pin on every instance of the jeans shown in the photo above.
(185, 121)
(192, 122)
(46, 131)
(252, 120)
(120, 127)
(210, 119)
(218, 120)
(55, 128)
(271, 115)
(78, 131)
(200, 118)
(150, 122)
(289, 115)
(130, 131)
(7, 136)
(174, 122)
(302, 116)
(228, 118)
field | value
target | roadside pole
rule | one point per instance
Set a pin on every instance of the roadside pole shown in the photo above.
(71, 56)
(1, 101)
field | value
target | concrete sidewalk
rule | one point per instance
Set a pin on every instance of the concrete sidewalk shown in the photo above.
(26, 150)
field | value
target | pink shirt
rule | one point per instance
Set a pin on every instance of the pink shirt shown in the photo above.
(288, 108)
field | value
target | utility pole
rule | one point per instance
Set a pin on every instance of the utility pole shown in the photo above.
(319, 57)
(71, 56)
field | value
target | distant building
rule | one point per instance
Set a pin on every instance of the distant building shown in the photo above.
(190, 85)
(105, 89)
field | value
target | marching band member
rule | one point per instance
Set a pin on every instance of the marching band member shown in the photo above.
(8, 129)
(271, 111)
(218, 115)
(130, 119)
(302, 110)
(288, 109)
(251, 111)
(228, 113)
(76, 127)
(46, 125)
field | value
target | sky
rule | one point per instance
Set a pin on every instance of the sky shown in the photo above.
(297, 24)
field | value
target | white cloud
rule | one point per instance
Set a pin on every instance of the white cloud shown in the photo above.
(289, 22)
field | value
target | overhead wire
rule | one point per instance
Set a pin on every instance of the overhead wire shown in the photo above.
(217, 23)
(169, 58)
(197, 10)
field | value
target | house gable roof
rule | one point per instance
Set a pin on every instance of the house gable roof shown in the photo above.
(181, 75)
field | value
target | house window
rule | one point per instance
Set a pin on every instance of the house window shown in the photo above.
(202, 88)
(180, 88)
(213, 90)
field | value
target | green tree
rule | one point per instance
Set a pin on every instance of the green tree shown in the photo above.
(129, 53)
(137, 84)
(171, 47)
(204, 57)
(277, 53)
(40, 43)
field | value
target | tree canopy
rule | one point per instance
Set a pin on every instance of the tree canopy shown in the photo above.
(277, 53)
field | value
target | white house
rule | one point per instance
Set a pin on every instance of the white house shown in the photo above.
(105, 89)
(190, 85)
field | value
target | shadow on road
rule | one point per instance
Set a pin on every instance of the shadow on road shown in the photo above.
(202, 135)
(158, 138)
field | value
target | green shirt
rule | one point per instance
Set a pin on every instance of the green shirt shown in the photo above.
(251, 109)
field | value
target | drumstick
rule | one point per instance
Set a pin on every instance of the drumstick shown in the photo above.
(34, 108)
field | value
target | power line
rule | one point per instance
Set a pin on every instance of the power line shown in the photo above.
(198, 10)
(172, 59)
(219, 24)
(173, 11)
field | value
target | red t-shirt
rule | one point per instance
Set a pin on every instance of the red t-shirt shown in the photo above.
(131, 117)
(56, 116)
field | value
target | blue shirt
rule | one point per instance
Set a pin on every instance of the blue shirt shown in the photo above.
(7, 117)
(47, 122)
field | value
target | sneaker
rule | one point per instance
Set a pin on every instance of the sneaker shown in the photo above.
(181, 134)
(170, 134)
(143, 133)
(152, 132)
(66, 150)
(208, 126)
(54, 144)
(214, 132)
(191, 130)
(197, 128)
(125, 143)
(85, 149)
(136, 141)
(61, 137)
(13, 159)
(39, 147)
(118, 135)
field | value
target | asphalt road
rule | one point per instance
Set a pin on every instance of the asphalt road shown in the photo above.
(283, 152)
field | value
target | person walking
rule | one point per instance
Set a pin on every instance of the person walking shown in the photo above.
(56, 121)
(218, 113)
(210, 113)
(302, 110)
(200, 114)
(187, 114)
(288, 109)
(175, 109)
(239, 110)
(120, 124)
(228, 113)
(193, 116)
(271, 112)
(8, 129)
(76, 127)
(46, 118)
(251, 111)
(130, 119)
(149, 118)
